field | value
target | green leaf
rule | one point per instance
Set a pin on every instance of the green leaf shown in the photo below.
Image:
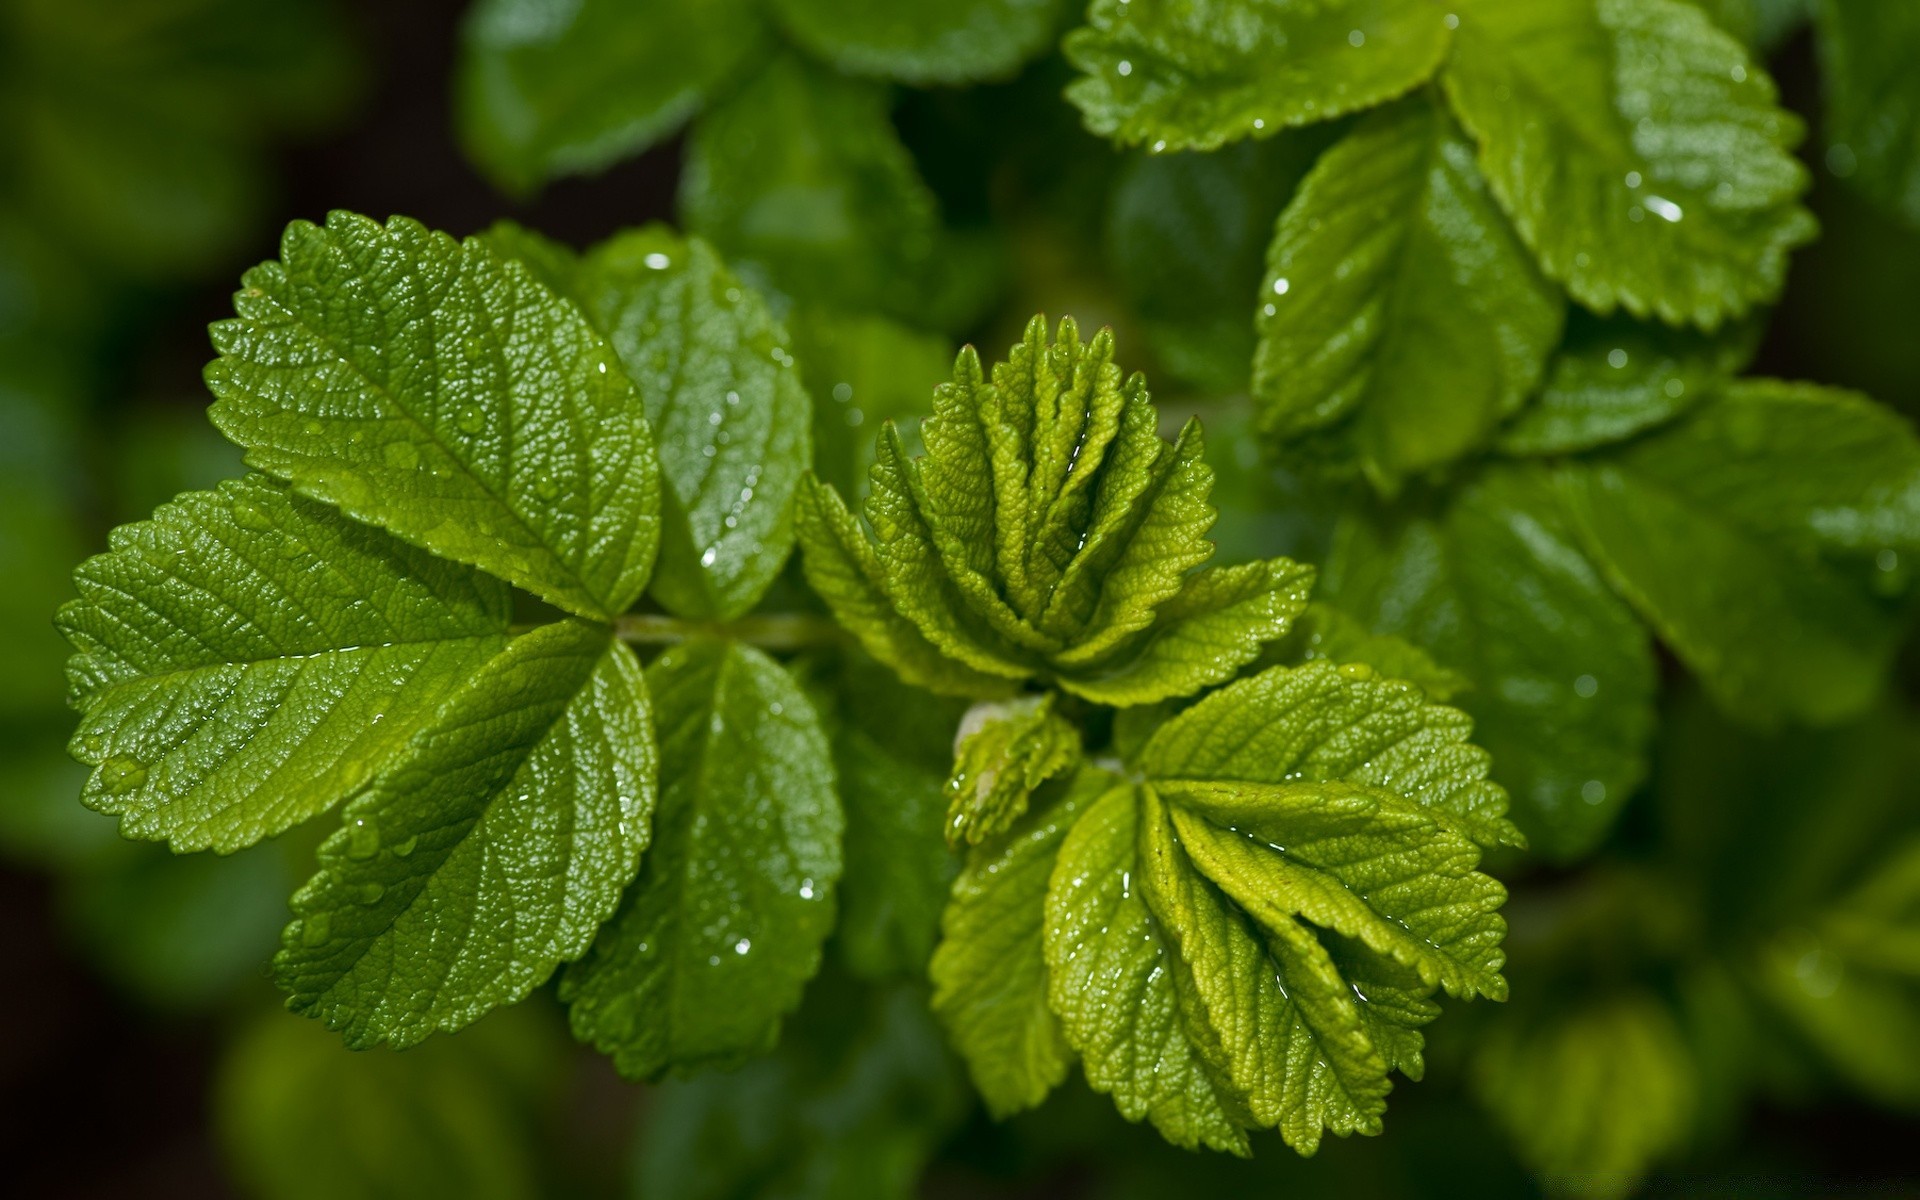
(715, 939)
(1851, 982)
(1001, 754)
(1339, 637)
(546, 89)
(1594, 1094)
(1640, 151)
(1049, 533)
(1110, 981)
(892, 746)
(1494, 584)
(465, 874)
(1399, 310)
(955, 42)
(863, 370)
(1614, 378)
(990, 970)
(1196, 74)
(855, 1103)
(437, 390)
(248, 658)
(1764, 538)
(1872, 124)
(1185, 236)
(801, 175)
(302, 1119)
(725, 405)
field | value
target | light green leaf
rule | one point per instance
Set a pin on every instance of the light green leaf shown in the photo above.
(248, 658)
(843, 567)
(1765, 537)
(1614, 377)
(469, 871)
(1339, 637)
(990, 970)
(726, 406)
(862, 370)
(715, 939)
(955, 42)
(548, 89)
(1595, 1094)
(1872, 125)
(1110, 981)
(1321, 723)
(1196, 74)
(1640, 150)
(302, 1119)
(1399, 311)
(1001, 754)
(432, 388)
(1494, 583)
(801, 175)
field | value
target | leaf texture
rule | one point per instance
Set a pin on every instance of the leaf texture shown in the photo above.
(434, 389)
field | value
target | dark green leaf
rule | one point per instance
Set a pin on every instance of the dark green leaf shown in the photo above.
(953, 42)
(1873, 98)
(723, 927)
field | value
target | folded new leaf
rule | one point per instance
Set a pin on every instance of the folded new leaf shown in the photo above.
(1249, 930)
(1049, 534)
(1001, 754)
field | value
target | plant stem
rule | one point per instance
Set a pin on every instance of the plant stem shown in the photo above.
(769, 631)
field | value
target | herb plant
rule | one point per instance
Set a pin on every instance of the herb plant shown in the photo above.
(842, 727)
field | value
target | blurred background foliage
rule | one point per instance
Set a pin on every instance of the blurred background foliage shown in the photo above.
(1723, 998)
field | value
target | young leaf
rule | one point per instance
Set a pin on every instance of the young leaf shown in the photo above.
(801, 175)
(1873, 100)
(990, 972)
(1399, 309)
(432, 388)
(546, 90)
(1764, 537)
(1002, 753)
(470, 870)
(714, 940)
(955, 42)
(1614, 378)
(1048, 533)
(1196, 74)
(1639, 150)
(725, 405)
(248, 658)
(1495, 584)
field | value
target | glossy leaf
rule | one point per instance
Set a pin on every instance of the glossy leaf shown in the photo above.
(1399, 313)
(249, 658)
(468, 872)
(1764, 538)
(1640, 151)
(432, 388)
(1195, 74)
(954, 42)
(1613, 378)
(714, 940)
(565, 89)
(727, 409)
(1495, 584)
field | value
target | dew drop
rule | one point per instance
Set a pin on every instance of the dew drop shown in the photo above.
(121, 774)
(712, 553)
(1616, 358)
(1586, 686)
(742, 946)
(316, 929)
(1125, 68)
(1281, 287)
(1593, 791)
(1665, 209)
(658, 261)
(368, 893)
(403, 849)
(806, 889)
(363, 839)
(1356, 39)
